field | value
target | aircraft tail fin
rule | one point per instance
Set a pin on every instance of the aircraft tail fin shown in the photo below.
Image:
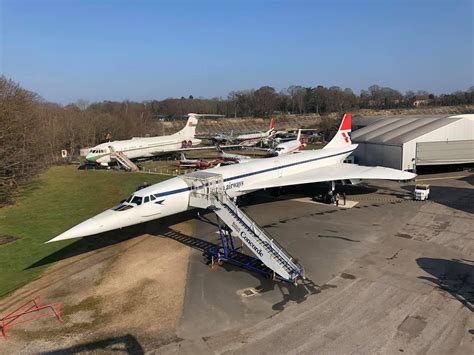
(298, 137)
(189, 130)
(271, 129)
(272, 123)
(343, 135)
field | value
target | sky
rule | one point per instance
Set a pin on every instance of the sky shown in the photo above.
(67, 50)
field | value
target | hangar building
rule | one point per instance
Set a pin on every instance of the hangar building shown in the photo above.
(406, 142)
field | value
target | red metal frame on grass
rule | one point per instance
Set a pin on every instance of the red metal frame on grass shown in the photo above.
(34, 306)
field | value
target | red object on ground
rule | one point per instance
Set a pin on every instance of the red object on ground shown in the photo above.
(32, 306)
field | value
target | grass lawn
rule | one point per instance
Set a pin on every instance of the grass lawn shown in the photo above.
(314, 146)
(59, 199)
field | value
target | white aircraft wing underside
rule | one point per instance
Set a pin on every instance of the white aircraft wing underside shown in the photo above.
(333, 172)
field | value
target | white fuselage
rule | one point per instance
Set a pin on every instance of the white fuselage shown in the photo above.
(288, 147)
(256, 135)
(145, 147)
(172, 196)
(139, 147)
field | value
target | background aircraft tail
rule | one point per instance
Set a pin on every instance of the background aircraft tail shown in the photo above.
(271, 130)
(189, 130)
(343, 135)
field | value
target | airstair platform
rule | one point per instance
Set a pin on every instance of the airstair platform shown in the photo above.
(123, 160)
(208, 192)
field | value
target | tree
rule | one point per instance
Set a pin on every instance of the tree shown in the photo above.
(21, 148)
(266, 100)
(82, 104)
(297, 94)
(381, 97)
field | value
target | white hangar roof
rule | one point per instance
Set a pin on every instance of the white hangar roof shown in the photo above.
(399, 130)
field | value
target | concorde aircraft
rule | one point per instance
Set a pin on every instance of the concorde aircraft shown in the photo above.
(173, 196)
(144, 147)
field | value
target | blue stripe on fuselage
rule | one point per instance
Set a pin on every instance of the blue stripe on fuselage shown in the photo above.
(172, 192)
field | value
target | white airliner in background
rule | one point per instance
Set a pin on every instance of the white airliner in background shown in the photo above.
(144, 147)
(173, 196)
(289, 147)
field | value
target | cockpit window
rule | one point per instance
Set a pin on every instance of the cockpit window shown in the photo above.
(152, 198)
(146, 199)
(136, 200)
(129, 199)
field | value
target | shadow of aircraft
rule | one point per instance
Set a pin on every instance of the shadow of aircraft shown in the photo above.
(453, 276)
(305, 190)
(296, 293)
(469, 179)
(123, 344)
(290, 292)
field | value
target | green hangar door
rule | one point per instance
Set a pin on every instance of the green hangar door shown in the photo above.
(447, 152)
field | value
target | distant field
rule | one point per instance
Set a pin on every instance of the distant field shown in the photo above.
(59, 199)
(314, 146)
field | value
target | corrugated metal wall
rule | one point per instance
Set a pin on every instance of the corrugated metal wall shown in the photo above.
(379, 154)
(447, 152)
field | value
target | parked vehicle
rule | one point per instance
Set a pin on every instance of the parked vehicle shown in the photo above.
(422, 192)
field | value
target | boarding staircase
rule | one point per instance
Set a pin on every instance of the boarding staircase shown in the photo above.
(207, 191)
(124, 161)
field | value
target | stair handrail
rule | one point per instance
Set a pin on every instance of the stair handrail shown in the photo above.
(268, 239)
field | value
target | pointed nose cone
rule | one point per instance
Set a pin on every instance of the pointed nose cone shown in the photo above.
(88, 227)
